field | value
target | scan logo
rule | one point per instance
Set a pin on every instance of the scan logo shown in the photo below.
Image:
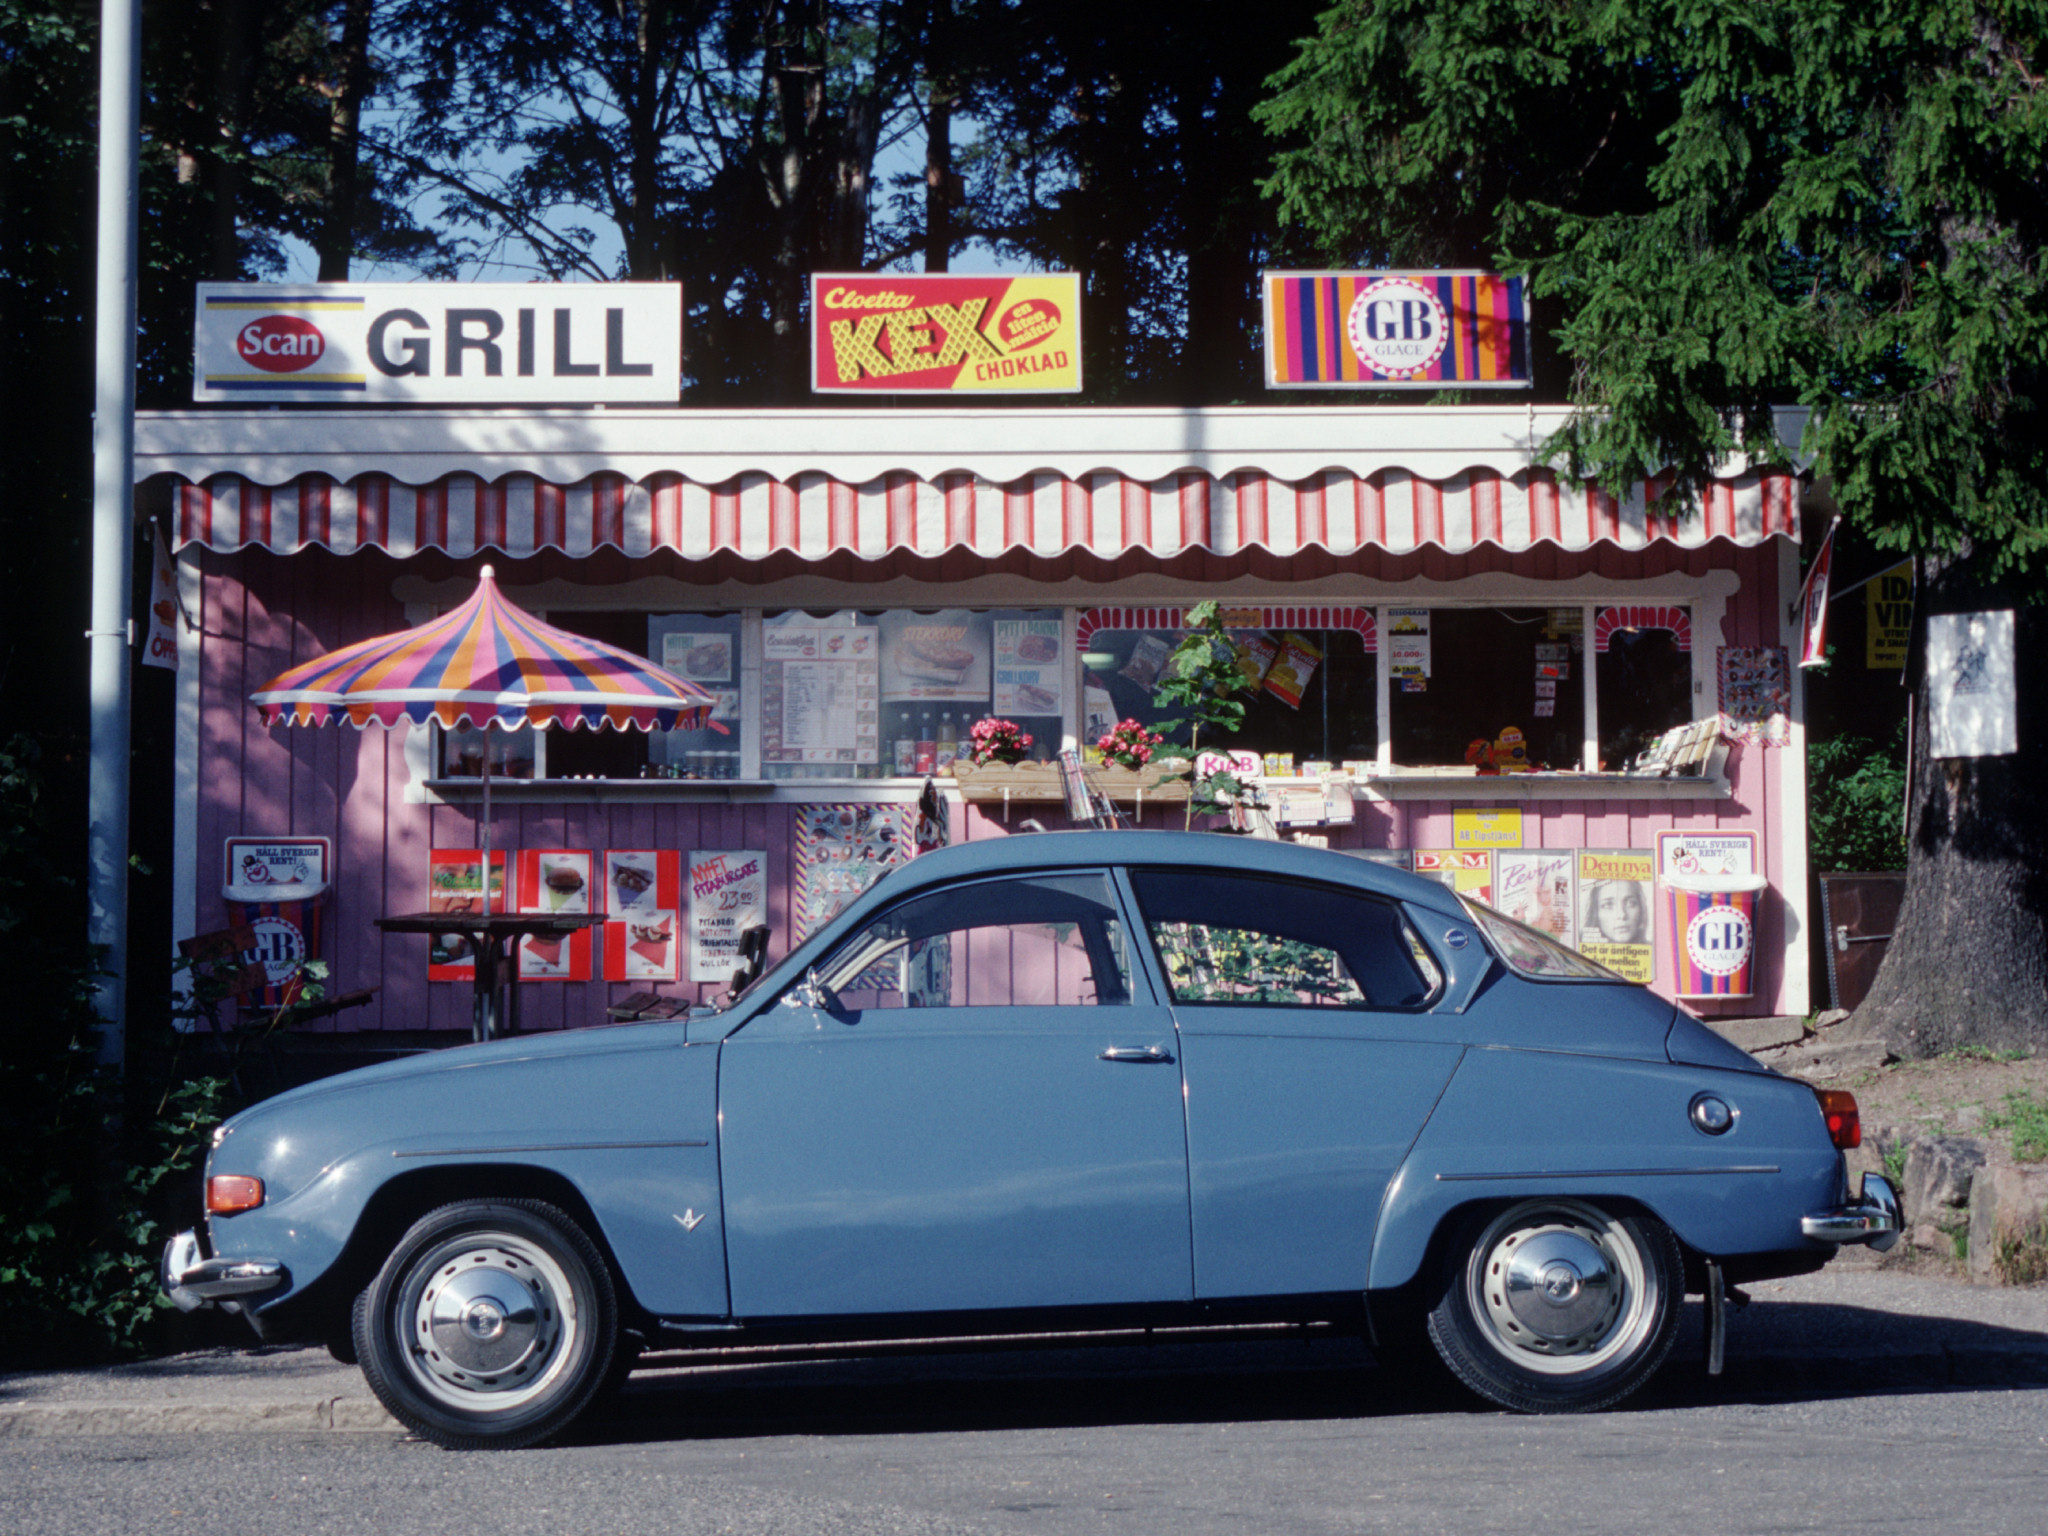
(280, 344)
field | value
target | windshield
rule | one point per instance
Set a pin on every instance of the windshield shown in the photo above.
(1532, 953)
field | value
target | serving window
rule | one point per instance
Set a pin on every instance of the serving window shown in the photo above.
(1312, 693)
(893, 694)
(1461, 679)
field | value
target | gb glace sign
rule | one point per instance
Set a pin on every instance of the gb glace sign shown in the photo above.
(439, 343)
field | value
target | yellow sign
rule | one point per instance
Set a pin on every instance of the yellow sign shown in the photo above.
(1888, 616)
(1486, 829)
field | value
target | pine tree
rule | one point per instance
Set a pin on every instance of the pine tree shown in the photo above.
(1725, 206)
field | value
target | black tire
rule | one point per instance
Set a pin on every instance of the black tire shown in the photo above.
(1558, 1306)
(490, 1327)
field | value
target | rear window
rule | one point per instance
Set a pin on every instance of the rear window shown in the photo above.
(1532, 953)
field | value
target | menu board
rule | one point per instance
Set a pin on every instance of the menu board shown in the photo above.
(1029, 676)
(728, 895)
(819, 694)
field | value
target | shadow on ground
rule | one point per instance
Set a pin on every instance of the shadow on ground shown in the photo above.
(1776, 1353)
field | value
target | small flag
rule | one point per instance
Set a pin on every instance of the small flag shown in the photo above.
(1813, 603)
(161, 648)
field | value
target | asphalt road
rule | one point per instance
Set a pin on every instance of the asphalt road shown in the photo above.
(1849, 1404)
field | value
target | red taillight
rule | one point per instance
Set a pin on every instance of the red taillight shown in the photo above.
(227, 1193)
(1845, 1121)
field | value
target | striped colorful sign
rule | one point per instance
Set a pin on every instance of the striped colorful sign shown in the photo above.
(1396, 330)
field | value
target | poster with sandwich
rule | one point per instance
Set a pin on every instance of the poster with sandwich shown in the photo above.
(936, 657)
(1028, 671)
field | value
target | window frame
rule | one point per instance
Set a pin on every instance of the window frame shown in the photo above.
(1162, 982)
(1121, 912)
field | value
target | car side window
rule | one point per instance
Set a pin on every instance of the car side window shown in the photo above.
(1043, 941)
(1232, 939)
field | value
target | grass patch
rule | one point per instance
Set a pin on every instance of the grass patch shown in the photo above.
(2026, 1117)
(2022, 1257)
(1895, 1165)
(1982, 1053)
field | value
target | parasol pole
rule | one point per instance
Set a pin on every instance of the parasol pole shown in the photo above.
(487, 823)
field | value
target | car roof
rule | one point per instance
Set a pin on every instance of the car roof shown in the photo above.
(1209, 850)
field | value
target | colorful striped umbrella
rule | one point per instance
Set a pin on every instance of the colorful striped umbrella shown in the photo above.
(488, 663)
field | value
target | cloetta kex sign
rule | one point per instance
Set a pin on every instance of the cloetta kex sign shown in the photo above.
(943, 333)
(1396, 330)
(439, 343)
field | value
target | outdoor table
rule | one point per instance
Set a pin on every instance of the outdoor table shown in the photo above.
(488, 935)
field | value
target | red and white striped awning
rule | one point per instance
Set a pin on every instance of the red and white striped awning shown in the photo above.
(1157, 494)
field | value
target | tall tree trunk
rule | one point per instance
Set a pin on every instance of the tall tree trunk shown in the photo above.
(938, 141)
(1968, 962)
(220, 161)
(338, 216)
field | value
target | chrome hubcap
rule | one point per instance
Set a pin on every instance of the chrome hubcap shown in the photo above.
(1558, 1286)
(491, 1321)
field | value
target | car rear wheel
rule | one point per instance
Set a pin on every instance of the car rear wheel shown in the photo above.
(1558, 1306)
(491, 1325)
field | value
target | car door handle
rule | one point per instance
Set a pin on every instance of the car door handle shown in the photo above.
(1137, 1053)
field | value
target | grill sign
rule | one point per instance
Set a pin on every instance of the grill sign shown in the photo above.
(943, 334)
(280, 344)
(439, 343)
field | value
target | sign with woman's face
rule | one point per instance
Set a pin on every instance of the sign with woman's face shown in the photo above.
(1617, 912)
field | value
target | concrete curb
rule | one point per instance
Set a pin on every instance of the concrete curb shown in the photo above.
(29, 1421)
(1830, 1371)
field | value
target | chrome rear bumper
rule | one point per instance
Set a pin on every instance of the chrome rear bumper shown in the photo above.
(192, 1282)
(1875, 1220)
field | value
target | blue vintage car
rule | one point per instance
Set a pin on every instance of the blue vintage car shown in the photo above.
(1048, 1082)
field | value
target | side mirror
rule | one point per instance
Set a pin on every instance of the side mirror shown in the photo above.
(813, 994)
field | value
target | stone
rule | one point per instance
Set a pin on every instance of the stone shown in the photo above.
(1828, 1018)
(1832, 1059)
(1939, 1170)
(1759, 1034)
(2009, 1224)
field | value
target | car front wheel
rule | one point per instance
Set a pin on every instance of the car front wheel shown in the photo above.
(1558, 1306)
(491, 1325)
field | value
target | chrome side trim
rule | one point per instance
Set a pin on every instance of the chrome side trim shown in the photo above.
(550, 1146)
(221, 1279)
(1608, 1173)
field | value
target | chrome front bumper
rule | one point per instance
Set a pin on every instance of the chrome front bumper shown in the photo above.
(1875, 1220)
(193, 1282)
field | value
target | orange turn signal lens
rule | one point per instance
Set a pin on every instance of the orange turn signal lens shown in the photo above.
(1845, 1120)
(227, 1193)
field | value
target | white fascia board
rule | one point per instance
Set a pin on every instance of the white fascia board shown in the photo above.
(856, 447)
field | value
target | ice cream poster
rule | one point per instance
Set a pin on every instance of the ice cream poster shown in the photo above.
(841, 850)
(555, 956)
(644, 945)
(728, 895)
(555, 880)
(642, 880)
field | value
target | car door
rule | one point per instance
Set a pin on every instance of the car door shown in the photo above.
(979, 1107)
(1311, 1061)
